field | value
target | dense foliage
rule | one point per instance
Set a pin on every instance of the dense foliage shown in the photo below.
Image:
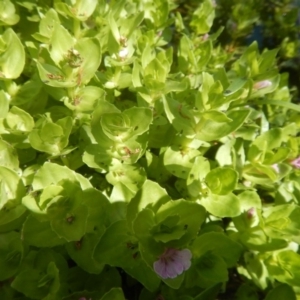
(149, 150)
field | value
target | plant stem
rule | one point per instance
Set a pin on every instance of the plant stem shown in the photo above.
(76, 28)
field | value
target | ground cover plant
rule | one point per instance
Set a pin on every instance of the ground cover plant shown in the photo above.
(149, 150)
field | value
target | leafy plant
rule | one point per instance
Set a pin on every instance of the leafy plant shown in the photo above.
(149, 150)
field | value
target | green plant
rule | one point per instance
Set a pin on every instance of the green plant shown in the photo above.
(141, 157)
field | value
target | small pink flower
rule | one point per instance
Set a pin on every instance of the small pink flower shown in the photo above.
(205, 37)
(296, 162)
(262, 84)
(172, 263)
(250, 213)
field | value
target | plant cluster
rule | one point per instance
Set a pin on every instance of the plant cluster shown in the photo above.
(142, 157)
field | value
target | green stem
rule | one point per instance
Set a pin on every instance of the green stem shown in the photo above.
(76, 28)
(280, 103)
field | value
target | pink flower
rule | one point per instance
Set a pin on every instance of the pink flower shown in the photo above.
(205, 37)
(172, 263)
(296, 162)
(262, 84)
(250, 213)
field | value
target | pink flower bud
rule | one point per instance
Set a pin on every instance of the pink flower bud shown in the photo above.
(296, 162)
(251, 213)
(205, 37)
(262, 84)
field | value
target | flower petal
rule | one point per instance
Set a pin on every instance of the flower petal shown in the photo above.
(262, 84)
(296, 162)
(171, 270)
(172, 263)
(184, 256)
(178, 266)
(159, 267)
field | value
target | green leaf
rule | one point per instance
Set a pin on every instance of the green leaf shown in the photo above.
(116, 247)
(90, 52)
(180, 117)
(81, 10)
(197, 174)
(145, 275)
(18, 121)
(82, 251)
(99, 207)
(11, 187)
(287, 105)
(37, 285)
(8, 156)
(209, 130)
(249, 199)
(284, 267)
(256, 268)
(4, 104)
(281, 292)
(47, 25)
(61, 41)
(51, 137)
(11, 250)
(282, 222)
(161, 133)
(179, 161)
(12, 57)
(176, 282)
(8, 14)
(256, 239)
(86, 99)
(207, 270)
(51, 173)
(187, 219)
(12, 217)
(203, 17)
(151, 195)
(132, 122)
(54, 76)
(132, 176)
(114, 294)
(131, 23)
(222, 205)
(40, 234)
(271, 86)
(155, 72)
(27, 92)
(142, 225)
(68, 218)
(265, 142)
(221, 181)
(218, 244)
(209, 293)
